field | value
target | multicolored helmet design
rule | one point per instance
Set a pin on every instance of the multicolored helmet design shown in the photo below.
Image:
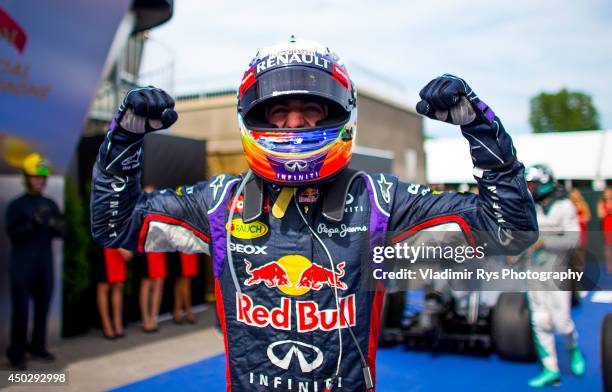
(297, 156)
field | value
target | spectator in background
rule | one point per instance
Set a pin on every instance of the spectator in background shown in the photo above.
(32, 221)
(584, 216)
(549, 303)
(112, 278)
(151, 287)
(154, 272)
(182, 288)
(604, 211)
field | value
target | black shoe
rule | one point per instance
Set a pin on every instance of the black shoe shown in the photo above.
(45, 356)
(109, 337)
(18, 364)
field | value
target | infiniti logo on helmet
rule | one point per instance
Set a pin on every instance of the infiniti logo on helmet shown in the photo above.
(296, 164)
(309, 357)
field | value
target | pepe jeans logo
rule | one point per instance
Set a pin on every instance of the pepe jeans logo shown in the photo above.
(341, 230)
(309, 357)
(296, 164)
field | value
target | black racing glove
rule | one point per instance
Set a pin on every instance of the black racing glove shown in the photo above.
(143, 110)
(449, 98)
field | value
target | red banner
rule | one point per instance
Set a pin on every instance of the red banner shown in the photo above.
(12, 32)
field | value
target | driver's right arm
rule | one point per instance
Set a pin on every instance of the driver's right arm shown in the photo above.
(122, 215)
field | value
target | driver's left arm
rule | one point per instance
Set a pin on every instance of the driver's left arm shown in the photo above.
(502, 214)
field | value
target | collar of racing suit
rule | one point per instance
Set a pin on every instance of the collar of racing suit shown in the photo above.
(334, 195)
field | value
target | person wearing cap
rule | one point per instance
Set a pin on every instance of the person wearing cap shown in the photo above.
(550, 301)
(32, 221)
(286, 244)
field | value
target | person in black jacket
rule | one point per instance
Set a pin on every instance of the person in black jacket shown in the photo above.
(32, 221)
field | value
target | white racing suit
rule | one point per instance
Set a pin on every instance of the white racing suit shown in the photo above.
(550, 305)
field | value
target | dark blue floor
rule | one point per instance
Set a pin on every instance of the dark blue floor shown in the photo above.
(401, 370)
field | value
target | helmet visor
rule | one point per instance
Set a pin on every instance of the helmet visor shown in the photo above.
(295, 80)
(296, 143)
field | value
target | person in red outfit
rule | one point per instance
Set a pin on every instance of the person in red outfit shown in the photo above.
(584, 216)
(115, 273)
(152, 285)
(604, 211)
(182, 288)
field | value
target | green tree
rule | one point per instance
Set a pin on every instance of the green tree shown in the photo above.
(563, 111)
(76, 271)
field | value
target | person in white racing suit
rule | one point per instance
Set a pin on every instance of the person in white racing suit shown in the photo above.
(550, 305)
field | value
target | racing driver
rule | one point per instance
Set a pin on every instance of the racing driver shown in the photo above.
(287, 237)
(549, 305)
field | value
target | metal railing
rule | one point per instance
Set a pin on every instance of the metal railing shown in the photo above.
(123, 77)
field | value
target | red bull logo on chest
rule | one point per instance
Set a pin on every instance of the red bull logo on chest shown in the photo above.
(309, 317)
(295, 275)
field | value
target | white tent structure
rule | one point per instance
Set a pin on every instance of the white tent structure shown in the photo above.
(583, 155)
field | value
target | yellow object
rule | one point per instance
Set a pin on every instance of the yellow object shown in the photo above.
(14, 149)
(280, 206)
(246, 231)
(294, 265)
(35, 165)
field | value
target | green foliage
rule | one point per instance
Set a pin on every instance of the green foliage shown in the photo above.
(77, 245)
(563, 111)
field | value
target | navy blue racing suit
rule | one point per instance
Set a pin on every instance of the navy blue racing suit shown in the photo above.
(285, 332)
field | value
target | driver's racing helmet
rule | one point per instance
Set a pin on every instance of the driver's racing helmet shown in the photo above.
(305, 70)
(540, 180)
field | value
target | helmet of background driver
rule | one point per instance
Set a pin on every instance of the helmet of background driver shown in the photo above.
(540, 180)
(307, 71)
(35, 165)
